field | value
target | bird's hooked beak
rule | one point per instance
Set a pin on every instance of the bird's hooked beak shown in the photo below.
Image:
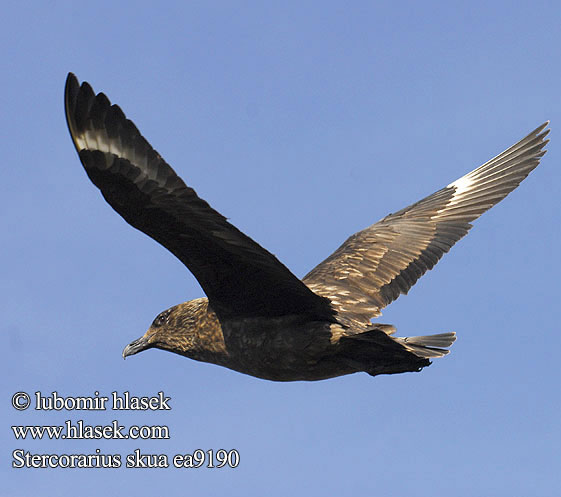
(137, 346)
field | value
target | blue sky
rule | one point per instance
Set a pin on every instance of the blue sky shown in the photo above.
(302, 122)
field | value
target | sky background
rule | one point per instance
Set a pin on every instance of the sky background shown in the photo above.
(302, 122)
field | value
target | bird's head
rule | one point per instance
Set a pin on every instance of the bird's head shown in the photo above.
(181, 329)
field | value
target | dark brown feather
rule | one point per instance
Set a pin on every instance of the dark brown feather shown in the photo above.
(240, 278)
(376, 265)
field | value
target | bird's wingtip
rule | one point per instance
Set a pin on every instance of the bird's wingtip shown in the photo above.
(541, 129)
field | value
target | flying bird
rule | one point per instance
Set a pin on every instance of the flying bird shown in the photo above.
(258, 318)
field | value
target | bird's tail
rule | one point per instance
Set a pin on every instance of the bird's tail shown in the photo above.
(377, 352)
(425, 346)
(428, 346)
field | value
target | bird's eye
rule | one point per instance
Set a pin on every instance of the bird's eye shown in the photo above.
(160, 319)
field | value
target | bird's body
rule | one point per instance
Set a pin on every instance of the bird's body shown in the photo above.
(259, 319)
(284, 348)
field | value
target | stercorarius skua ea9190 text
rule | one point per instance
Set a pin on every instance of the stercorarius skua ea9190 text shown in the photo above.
(258, 318)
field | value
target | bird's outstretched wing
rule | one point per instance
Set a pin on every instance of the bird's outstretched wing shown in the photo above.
(374, 266)
(240, 278)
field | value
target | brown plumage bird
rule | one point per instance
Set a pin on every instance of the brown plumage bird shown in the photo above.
(259, 318)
